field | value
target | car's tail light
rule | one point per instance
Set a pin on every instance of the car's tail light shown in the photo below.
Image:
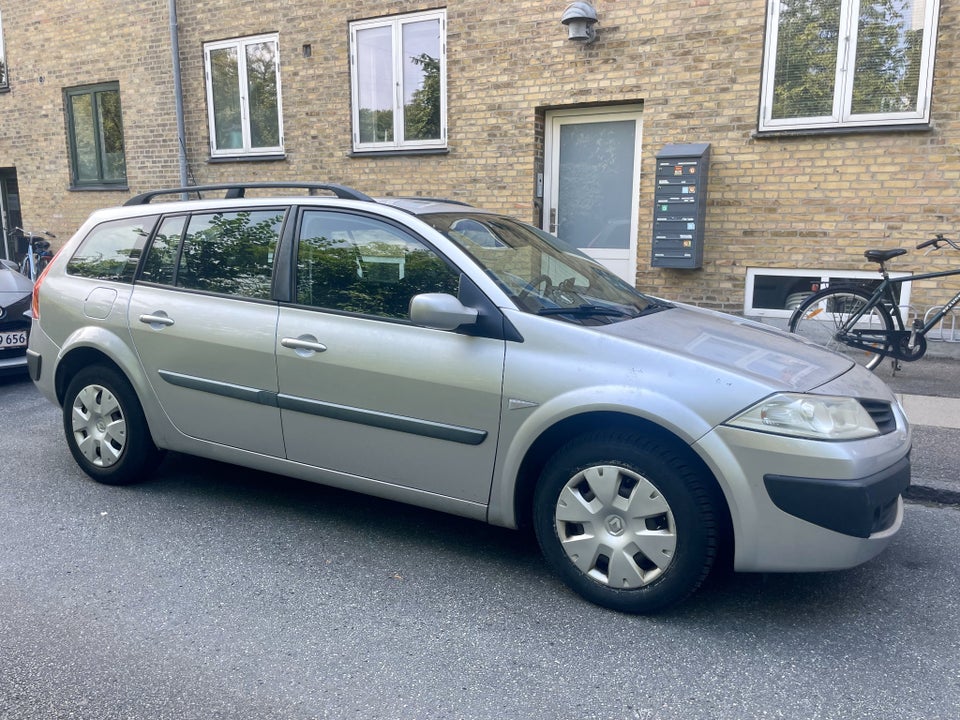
(35, 301)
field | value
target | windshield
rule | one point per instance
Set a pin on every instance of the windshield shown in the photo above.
(542, 274)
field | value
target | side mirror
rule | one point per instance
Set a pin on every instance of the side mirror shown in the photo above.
(440, 311)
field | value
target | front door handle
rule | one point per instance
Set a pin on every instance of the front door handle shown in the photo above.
(303, 345)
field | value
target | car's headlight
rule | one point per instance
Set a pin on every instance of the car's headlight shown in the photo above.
(820, 417)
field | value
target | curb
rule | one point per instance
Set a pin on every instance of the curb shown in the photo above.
(931, 411)
(928, 494)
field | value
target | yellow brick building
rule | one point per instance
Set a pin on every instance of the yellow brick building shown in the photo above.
(794, 196)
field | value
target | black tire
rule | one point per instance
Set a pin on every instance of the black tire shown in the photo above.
(628, 522)
(821, 315)
(105, 427)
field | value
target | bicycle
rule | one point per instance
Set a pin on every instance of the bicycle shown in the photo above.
(38, 253)
(867, 325)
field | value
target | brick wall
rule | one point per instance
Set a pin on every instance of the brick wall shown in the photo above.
(51, 46)
(807, 201)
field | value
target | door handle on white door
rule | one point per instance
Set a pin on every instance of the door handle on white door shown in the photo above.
(303, 345)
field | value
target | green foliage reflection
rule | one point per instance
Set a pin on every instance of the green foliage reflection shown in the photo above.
(233, 253)
(376, 278)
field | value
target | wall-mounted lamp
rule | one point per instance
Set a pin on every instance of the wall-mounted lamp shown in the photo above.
(580, 17)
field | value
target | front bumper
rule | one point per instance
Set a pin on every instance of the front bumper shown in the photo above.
(802, 505)
(858, 507)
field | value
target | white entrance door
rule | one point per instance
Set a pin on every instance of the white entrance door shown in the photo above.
(592, 183)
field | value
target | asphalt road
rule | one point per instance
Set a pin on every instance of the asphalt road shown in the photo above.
(212, 592)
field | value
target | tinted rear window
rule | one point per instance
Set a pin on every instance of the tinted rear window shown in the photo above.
(112, 250)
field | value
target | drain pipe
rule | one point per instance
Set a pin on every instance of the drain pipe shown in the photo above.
(178, 92)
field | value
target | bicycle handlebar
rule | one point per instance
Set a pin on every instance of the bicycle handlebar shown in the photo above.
(935, 242)
(31, 234)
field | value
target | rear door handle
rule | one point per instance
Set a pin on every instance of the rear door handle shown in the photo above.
(304, 345)
(156, 321)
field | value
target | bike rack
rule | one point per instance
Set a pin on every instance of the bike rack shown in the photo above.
(940, 332)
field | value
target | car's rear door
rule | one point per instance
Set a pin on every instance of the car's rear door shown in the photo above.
(204, 325)
(365, 393)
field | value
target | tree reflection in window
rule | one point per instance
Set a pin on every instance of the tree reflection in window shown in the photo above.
(96, 135)
(111, 251)
(360, 266)
(230, 253)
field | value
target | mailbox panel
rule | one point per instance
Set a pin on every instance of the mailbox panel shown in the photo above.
(680, 206)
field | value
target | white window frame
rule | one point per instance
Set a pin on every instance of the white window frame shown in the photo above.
(396, 24)
(841, 115)
(826, 277)
(4, 75)
(240, 44)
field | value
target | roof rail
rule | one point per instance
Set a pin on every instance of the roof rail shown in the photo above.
(238, 190)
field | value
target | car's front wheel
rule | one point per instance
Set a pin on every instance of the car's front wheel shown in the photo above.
(627, 521)
(105, 427)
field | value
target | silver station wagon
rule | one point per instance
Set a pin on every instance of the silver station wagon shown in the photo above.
(437, 354)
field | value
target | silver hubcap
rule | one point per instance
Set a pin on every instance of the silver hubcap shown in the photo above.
(616, 527)
(99, 427)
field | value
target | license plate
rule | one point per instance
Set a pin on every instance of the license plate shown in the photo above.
(15, 339)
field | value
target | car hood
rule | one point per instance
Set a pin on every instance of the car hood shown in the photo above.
(13, 285)
(779, 359)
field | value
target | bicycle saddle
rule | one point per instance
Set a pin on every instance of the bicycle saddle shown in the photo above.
(883, 255)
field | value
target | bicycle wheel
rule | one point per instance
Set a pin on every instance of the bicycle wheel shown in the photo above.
(823, 314)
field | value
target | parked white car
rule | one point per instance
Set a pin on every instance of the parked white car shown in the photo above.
(437, 354)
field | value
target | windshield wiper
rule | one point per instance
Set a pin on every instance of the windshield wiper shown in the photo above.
(653, 307)
(585, 310)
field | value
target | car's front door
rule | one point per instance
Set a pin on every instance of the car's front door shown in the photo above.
(204, 326)
(364, 392)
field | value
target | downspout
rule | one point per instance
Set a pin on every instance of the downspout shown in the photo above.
(178, 92)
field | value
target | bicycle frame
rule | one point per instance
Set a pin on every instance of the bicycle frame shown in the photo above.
(31, 263)
(31, 260)
(900, 343)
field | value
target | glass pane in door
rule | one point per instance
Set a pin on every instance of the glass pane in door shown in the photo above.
(595, 184)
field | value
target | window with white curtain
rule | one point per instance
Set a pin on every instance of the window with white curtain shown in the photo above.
(848, 63)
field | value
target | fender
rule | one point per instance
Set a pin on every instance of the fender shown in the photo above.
(106, 342)
(657, 407)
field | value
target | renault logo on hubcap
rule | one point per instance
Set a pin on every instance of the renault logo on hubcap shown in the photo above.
(615, 525)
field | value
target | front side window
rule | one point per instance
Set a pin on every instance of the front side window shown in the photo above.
(361, 265)
(398, 79)
(95, 133)
(243, 96)
(848, 63)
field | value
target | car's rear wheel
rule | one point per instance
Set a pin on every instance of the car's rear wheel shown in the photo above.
(627, 521)
(105, 427)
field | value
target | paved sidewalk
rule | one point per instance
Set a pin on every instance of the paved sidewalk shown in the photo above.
(931, 411)
(929, 391)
